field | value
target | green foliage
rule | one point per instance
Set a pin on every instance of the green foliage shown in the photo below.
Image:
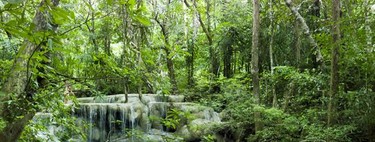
(105, 47)
(278, 125)
(54, 122)
(61, 16)
(136, 135)
(230, 90)
(5, 66)
(175, 118)
(208, 138)
(308, 85)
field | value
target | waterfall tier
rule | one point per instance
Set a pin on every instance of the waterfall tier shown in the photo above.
(110, 118)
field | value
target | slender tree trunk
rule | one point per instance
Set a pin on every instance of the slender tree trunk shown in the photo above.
(166, 48)
(141, 41)
(288, 94)
(255, 61)
(125, 45)
(190, 62)
(107, 33)
(297, 44)
(170, 67)
(215, 64)
(234, 62)
(227, 60)
(107, 43)
(369, 37)
(274, 98)
(139, 68)
(334, 63)
(91, 28)
(190, 45)
(19, 112)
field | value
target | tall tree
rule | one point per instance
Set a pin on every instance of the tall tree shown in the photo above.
(92, 27)
(167, 48)
(297, 45)
(19, 111)
(215, 65)
(206, 27)
(369, 35)
(190, 45)
(271, 27)
(335, 59)
(124, 62)
(255, 60)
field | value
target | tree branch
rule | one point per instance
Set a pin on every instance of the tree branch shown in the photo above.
(316, 48)
(79, 25)
(205, 30)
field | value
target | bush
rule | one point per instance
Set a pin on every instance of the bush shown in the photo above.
(5, 66)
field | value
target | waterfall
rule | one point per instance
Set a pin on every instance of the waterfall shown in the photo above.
(123, 119)
(110, 123)
(90, 118)
(102, 122)
(132, 120)
(211, 115)
(132, 117)
(110, 118)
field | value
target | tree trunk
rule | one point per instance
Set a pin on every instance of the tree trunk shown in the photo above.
(171, 74)
(255, 60)
(274, 98)
(124, 55)
(166, 48)
(140, 42)
(19, 112)
(190, 62)
(317, 53)
(288, 94)
(297, 44)
(369, 37)
(215, 65)
(92, 29)
(190, 45)
(334, 63)
(227, 59)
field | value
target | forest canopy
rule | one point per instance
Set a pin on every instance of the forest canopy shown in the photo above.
(292, 70)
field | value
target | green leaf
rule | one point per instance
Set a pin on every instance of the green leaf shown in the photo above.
(60, 16)
(109, 2)
(15, 1)
(89, 6)
(132, 2)
(2, 94)
(143, 20)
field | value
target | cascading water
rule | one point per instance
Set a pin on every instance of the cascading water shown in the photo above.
(110, 119)
(132, 121)
(102, 122)
(123, 119)
(90, 116)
